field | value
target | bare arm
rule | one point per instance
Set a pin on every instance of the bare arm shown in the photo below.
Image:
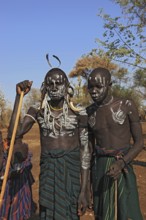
(85, 164)
(137, 146)
(20, 148)
(136, 133)
(28, 122)
(22, 86)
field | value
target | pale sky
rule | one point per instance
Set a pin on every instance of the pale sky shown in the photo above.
(32, 28)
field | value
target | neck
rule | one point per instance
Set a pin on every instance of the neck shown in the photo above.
(106, 101)
(56, 105)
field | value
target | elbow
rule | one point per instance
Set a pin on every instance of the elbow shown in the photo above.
(140, 145)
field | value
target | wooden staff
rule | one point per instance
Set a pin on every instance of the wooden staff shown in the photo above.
(11, 150)
(116, 200)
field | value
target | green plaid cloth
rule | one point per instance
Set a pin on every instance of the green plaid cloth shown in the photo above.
(59, 185)
(104, 192)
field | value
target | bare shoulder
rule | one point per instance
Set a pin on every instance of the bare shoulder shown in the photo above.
(127, 107)
(123, 102)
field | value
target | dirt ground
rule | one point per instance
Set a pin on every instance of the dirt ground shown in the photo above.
(32, 138)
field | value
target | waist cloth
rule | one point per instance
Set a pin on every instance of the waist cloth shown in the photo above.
(59, 184)
(104, 190)
(17, 202)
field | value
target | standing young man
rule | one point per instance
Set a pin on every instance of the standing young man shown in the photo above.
(65, 155)
(112, 123)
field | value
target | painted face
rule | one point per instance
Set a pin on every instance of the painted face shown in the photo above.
(56, 83)
(98, 87)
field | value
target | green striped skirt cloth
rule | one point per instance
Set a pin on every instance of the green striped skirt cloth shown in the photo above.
(59, 185)
(127, 201)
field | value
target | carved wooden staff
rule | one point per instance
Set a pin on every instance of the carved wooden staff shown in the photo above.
(11, 150)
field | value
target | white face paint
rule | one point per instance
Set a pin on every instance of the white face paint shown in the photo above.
(56, 85)
(98, 87)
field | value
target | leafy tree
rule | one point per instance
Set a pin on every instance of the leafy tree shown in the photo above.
(128, 93)
(98, 58)
(5, 111)
(6, 116)
(88, 62)
(124, 42)
(81, 71)
(81, 96)
(33, 98)
(136, 10)
(140, 78)
(125, 39)
(119, 76)
(85, 65)
(2, 103)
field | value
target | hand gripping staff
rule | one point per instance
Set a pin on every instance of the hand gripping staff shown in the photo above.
(11, 149)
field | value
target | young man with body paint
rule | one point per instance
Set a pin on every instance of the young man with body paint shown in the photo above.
(65, 154)
(112, 123)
